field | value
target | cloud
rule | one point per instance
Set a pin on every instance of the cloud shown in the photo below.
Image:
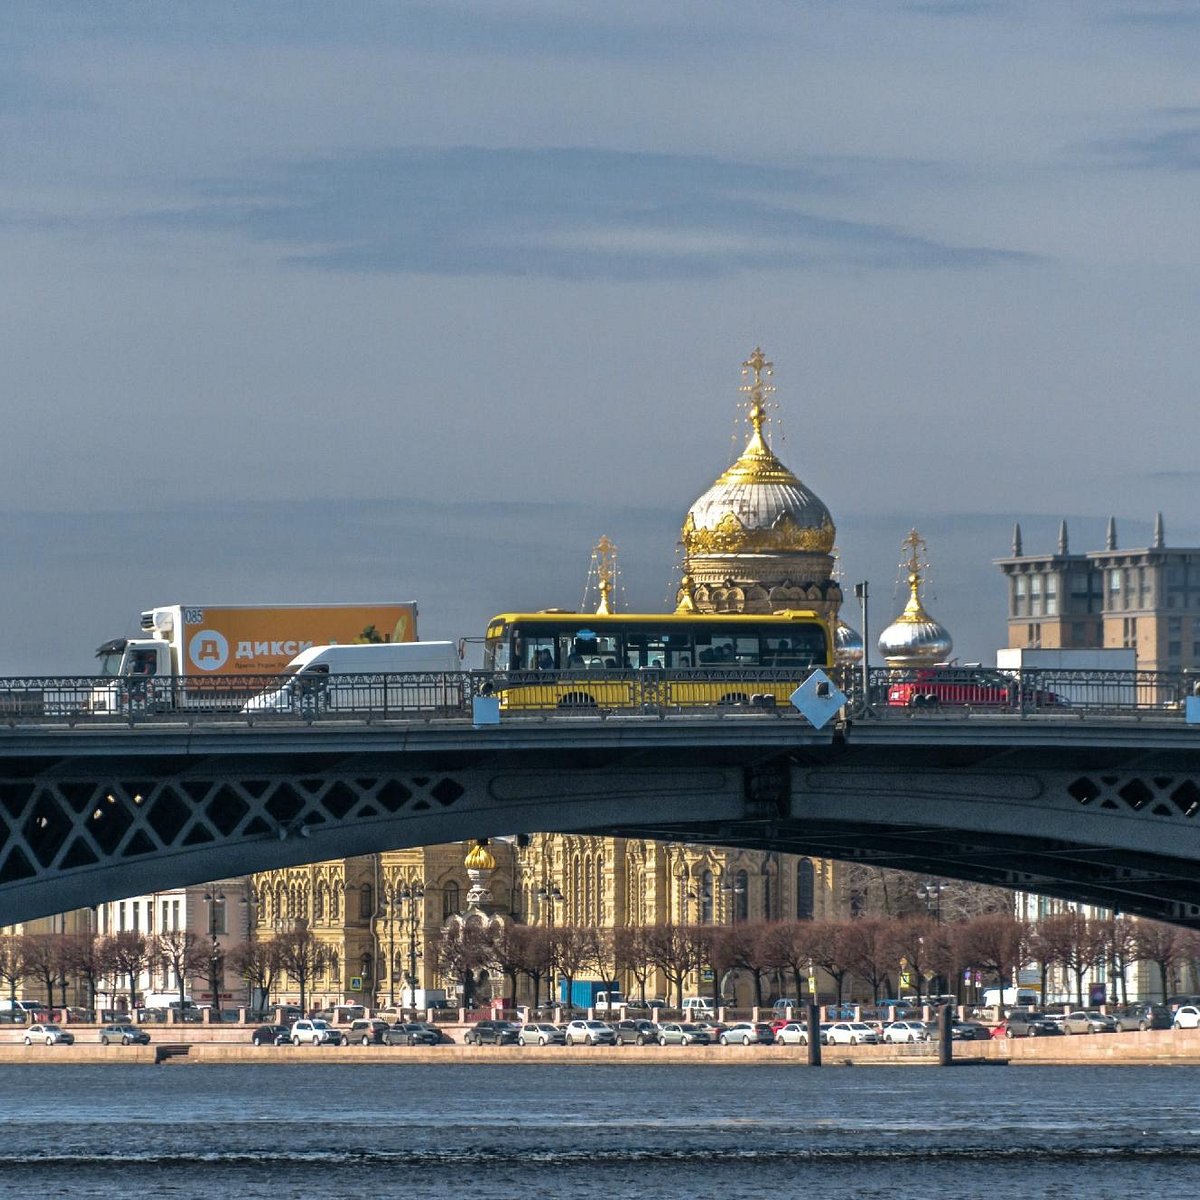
(562, 213)
(1167, 150)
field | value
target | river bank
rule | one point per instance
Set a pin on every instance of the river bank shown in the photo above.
(1168, 1047)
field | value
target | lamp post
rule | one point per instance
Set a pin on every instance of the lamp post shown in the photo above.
(410, 896)
(212, 899)
(860, 594)
(250, 901)
(549, 895)
(930, 894)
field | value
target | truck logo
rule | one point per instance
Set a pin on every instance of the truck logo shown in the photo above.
(208, 650)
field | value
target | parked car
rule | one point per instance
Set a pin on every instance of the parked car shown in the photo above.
(1187, 1016)
(493, 1033)
(792, 1033)
(850, 1033)
(747, 1033)
(905, 1031)
(635, 1031)
(125, 1034)
(968, 1031)
(1144, 1016)
(439, 1035)
(314, 1032)
(272, 1035)
(1031, 1024)
(370, 1031)
(1090, 1020)
(590, 1033)
(544, 1033)
(52, 1035)
(682, 1033)
(411, 1033)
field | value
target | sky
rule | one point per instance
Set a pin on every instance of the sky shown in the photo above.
(382, 300)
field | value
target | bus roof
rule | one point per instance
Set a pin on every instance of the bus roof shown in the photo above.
(563, 617)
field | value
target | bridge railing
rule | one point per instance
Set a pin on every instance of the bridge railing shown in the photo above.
(888, 695)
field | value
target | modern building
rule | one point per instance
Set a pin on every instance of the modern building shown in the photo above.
(1146, 599)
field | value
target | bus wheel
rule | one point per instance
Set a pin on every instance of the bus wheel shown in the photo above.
(577, 700)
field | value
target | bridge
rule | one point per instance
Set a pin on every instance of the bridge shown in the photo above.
(1097, 803)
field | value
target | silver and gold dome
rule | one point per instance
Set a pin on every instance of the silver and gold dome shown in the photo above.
(758, 540)
(914, 638)
(848, 646)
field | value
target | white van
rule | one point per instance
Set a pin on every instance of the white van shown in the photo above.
(696, 1007)
(377, 677)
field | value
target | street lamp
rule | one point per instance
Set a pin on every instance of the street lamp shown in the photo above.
(214, 954)
(549, 895)
(687, 895)
(930, 893)
(410, 896)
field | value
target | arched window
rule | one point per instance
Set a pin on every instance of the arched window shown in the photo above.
(335, 903)
(741, 895)
(333, 965)
(450, 903)
(706, 898)
(805, 877)
(319, 903)
(366, 903)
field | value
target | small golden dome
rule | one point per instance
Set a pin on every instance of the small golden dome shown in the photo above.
(479, 858)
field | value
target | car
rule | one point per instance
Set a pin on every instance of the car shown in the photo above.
(714, 1029)
(905, 1031)
(850, 1033)
(412, 1033)
(682, 1033)
(369, 1031)
(272, 1035)
(589, 1033)
(52, 1035)
(1031, 1024)
(976, 687)
(439, 1035)
(747, 1033)
(544, 1033)
(781, 1006)
(792, 1033)
(636, 1031)
(1144, 1016)
(127, 1035)
(493, 1033)
(1187, 1016)
(315, 1032)
(1090, 1020)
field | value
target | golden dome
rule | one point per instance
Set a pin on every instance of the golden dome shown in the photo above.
(479, 858)
(914, 638)
(757, 506)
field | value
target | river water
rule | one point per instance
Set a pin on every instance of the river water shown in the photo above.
(566, 1132)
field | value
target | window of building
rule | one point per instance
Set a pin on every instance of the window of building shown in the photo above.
(741, 895)
(1078, 633)
(1129, 632)
(366, 902)
(319, 904)
(1174, 649)
(165, 910)
(175, 914)
(706, 898)
(1114, 581)
(450, 902)
(1174, 626)
(121, 917)
(805, 890)
(1033, 636)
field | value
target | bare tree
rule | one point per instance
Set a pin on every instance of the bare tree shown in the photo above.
(602, 954)
(1162, 945)
(529, 952)
(126, 954)
(572, 953)
(85, 961)
(995, 943)
(675, 952)
(256, 962)
(829, 952)
(459, 952)
(12, 963)
(866, 949)
(793, 946)
(747, 947)
(182, 953)
(302, 957)
(912, 943)
(1077, 942)
(45, 960)
(631, 954)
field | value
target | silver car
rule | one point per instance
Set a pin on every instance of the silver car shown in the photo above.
(52, 1035)
(906, 1031)
(682, 1033)
(851, 1033)
(590, 1033)
(541, 1033)
(1091, 1020)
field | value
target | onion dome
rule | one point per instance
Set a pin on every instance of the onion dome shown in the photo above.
(914, 638)
(848, 646)
(757, 506)
(479, 858)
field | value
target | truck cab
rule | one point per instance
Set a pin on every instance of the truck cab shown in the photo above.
(141, 674)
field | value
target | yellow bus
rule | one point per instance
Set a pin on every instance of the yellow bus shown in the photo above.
(555, 659)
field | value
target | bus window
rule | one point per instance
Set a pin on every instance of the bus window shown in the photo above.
(726, 650)
(538, 654)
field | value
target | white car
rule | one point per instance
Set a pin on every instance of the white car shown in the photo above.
(315, 1033)
(850, 1033)
(590, 1033)
(906, 1031)
(50, 1034)
(792, 1034)
(540, 1033)
(1187, 1016)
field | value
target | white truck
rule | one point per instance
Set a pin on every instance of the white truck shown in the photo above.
(393, 677)
(215, 655)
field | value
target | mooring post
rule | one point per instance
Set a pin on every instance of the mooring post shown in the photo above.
(814, 1035)
(945, 1052)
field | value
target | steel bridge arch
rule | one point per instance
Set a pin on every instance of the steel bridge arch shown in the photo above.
(1107, 813)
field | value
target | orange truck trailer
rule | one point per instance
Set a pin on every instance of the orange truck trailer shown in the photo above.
(204, 655)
